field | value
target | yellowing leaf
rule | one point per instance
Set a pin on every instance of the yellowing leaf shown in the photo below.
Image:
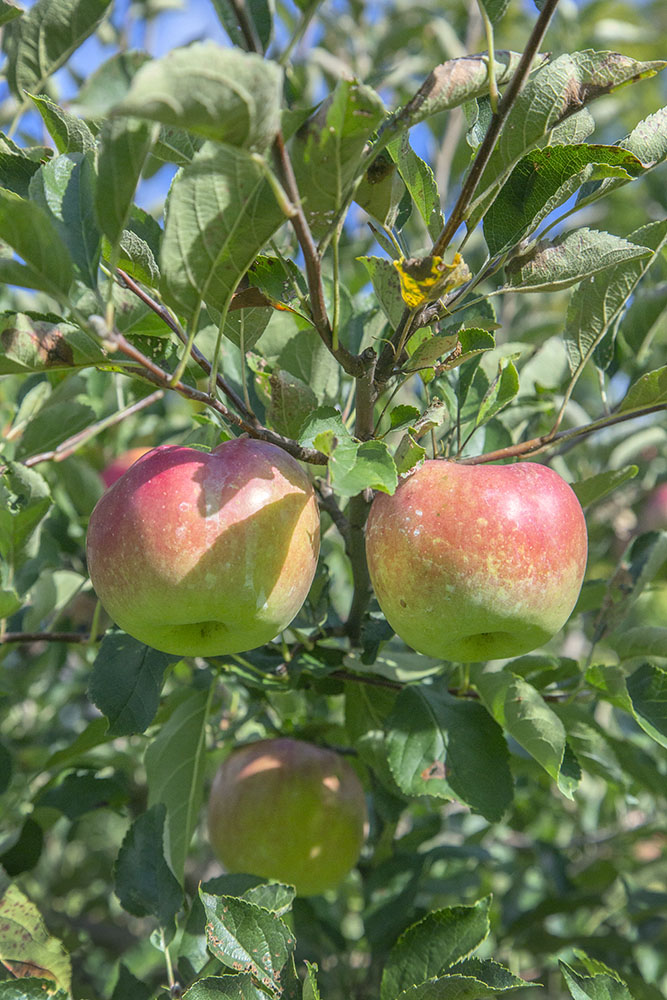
(26, 947)
(426, 279)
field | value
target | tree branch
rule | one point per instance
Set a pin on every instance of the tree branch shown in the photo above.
(149, 370)
(551, 439)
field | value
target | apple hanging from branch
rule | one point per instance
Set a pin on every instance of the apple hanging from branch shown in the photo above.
(288, 810)
(203, 554)
(477, 562)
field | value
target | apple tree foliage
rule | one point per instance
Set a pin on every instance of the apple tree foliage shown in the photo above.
(392, 230)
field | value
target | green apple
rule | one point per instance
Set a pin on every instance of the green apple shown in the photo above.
(290, 811)
(203, 554)
(477, 562)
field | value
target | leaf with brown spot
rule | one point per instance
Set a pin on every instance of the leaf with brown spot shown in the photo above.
(30, 342)
(26, 947)
(552, 94)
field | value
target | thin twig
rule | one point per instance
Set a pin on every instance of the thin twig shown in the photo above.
(176, 327)
(28, 637)
(149, 370)
(551, 439)
(73, 443)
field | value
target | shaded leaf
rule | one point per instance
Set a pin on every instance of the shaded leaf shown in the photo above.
(386, 286)
(259, 14)
(124, 145)
(126, 682)
(647, 688)
(643, 640)
(449, 748)
(500, 393)
(420, 182)
(599, 987)
(230, 987)
(144, 883)
(174, 764)
(69, 133)
(639, 565)
(25, 499)
(29, 231)
(292, 400)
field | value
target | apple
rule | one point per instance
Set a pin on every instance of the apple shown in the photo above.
(204, 554)
(653, 515)
(477, 562)
(290, 811)
(121, 464)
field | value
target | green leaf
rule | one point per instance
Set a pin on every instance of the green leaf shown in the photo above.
(600, 987)
(552, 93)
(598, 302)
(545, 179)
(431, 946)
(30, 989)
(552, 265)
(647, 141)
(51, 592)
(521, 710)
(9, 10)
(33, 343)
(590, 490)
(174, 764)
(128, 987)
(259, 14)
(402, 415)
(326, 151)
(649, 390)
(29, 230)
(386, 286)
(126, 682)
(16, 171)
(42, 41)
(65, 188)
(292, 400)
(450, 987)
(371, 467)
(420, 182)
(430, 350)
(78, 794)
(219, 93)
(647, 688)
(639, 565)
(452, 83)
(25, 941)
(408, 454)
(69, 133)
(495, 8)
(144, 883)
(247, 938)
(496, 976)
(124, 145)
(381, 191)
(500, 393)
(643, 640)
(230, 987)
(449, 748)
(221, 212)
(24, 500)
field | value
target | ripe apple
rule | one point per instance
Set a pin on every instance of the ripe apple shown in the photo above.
(653, 515)
(290, 811)
(205, 554)
(477, 562)
(121, 464)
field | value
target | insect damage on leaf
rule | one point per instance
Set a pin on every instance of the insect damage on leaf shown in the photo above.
(426, 279)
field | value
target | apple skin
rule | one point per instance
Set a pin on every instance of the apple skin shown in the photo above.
(477, 562)
(653, 515)
(121, 464)
(204, 554)
(290, 811)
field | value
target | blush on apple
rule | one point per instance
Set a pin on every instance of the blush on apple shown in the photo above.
(205, 554)
(288, 810)
(115, 469)
(477, 562)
